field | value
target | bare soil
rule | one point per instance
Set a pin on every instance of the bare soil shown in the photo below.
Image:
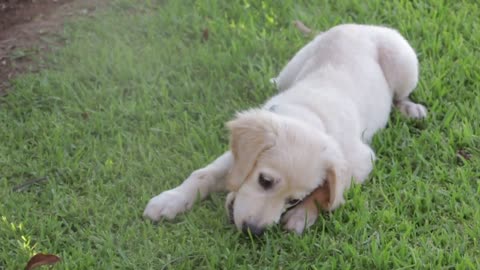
(27, 29)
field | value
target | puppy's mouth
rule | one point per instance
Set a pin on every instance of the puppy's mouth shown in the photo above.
(300, 201)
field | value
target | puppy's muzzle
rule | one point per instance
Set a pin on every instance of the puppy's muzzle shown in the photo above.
(246, 227)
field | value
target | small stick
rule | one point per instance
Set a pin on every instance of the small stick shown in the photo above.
(29, 183)
(302, 27)
(305, 30)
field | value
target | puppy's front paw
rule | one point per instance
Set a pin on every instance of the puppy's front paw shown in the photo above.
(412, 109)
(167, 205)
(299, 218)
(273, 81)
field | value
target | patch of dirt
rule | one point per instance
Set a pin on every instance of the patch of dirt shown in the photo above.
(27, 28)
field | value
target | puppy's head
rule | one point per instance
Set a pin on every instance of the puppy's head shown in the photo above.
(277, 162)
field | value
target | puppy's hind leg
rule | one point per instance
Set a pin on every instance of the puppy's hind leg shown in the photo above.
(400, 67)
(200, 183)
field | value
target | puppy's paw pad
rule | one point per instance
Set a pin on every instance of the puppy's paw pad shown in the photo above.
(298, 219)
(411, 109)
(167, 205)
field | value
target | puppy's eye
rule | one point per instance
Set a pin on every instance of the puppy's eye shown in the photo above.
(265, 181)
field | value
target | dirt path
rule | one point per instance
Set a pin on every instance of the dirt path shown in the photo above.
(27, 29)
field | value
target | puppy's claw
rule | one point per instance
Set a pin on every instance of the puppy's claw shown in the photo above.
(273, 81)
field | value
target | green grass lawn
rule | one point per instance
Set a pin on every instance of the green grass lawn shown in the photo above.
(136, 100)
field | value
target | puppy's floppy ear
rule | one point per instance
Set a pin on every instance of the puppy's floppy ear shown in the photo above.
(251, 133)
(339, 176)
(337, 181)
(331, 185)
(330, 195)
(325, 196)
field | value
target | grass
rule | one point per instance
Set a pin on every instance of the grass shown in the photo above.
(136, 100)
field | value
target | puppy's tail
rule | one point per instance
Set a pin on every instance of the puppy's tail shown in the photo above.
(304, 29)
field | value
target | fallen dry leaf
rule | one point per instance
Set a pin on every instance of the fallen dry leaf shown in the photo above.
(85, 115)
(464, 154)
(41, 259)
(205, 34)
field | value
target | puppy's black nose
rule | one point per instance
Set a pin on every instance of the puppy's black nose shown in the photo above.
(254, 230)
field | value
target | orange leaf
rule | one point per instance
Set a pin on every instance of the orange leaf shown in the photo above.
(41, 259)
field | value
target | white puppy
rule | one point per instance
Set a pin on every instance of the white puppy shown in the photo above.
(306, 144)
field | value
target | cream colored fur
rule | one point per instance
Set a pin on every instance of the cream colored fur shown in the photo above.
(334, 94)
